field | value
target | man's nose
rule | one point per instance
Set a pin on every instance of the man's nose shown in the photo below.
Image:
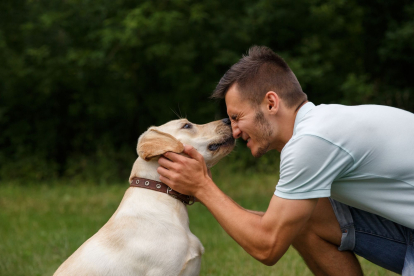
(236, 132)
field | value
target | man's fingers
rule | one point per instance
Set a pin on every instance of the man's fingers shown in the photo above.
(193, 153)
(173, 156)
(164, 172)
(165, 177)
(166, 163)
(166, 181)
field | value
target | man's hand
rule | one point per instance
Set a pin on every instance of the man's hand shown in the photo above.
(183, 174)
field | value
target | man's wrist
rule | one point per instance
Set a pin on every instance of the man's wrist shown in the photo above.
(205, 189)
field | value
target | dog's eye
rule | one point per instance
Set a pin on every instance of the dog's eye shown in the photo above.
(187, 126)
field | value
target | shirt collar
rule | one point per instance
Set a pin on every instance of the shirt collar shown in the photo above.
(302, 112)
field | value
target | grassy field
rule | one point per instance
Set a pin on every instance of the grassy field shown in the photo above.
(42, 224)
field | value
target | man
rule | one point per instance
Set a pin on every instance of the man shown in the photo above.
(332, 157)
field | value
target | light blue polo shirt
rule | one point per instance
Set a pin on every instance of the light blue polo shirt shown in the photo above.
(362, 156)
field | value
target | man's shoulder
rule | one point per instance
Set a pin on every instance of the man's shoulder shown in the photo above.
(332, 120)
(310, 146)
(349, 110)
(354, 129)
(319, 122)
(328, 124)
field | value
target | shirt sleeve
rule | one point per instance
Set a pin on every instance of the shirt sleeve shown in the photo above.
(308, 166)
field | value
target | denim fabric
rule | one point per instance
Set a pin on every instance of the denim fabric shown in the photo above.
(409, 257)
(375, 238)
(346, 223)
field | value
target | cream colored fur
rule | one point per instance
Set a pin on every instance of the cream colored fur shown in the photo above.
(149, 233)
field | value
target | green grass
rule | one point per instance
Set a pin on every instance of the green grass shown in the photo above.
(41, 225)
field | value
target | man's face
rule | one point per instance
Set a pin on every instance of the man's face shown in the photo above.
(248, 122)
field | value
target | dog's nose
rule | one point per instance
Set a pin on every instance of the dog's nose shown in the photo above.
(226, 121)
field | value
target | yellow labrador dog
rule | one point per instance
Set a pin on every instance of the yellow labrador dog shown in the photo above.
(149, 234)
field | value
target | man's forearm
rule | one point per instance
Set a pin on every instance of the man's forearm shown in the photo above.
(259, 213)
(244, 226)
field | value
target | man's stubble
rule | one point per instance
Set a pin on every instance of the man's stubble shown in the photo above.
(265, 134)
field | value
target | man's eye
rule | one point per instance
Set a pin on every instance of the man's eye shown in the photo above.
(187, 126)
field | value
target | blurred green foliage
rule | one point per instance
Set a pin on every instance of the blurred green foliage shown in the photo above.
(80, 79)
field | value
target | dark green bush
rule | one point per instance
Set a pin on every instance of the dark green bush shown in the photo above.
(80, 80)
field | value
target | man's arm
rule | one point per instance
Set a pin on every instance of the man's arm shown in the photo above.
(259, 213)
(265, 237)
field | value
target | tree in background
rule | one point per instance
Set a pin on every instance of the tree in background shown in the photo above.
(80, 80)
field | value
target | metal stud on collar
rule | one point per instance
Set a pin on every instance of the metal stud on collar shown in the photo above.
(186, 199)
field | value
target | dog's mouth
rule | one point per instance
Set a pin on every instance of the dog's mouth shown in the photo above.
(225, 141)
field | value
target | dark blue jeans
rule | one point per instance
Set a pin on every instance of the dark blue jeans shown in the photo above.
(381, 241)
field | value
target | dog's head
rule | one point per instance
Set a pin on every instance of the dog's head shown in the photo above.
(213, 140)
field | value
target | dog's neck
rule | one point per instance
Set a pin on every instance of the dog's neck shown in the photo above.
(145, 169)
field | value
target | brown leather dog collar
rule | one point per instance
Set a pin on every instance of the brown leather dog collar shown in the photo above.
(161, 187)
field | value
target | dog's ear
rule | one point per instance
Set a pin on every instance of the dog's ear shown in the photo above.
(155, 143)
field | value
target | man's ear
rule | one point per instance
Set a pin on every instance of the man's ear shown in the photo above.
(155, 143)
(272, 101)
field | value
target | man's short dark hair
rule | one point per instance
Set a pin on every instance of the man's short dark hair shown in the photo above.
(259, 72)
